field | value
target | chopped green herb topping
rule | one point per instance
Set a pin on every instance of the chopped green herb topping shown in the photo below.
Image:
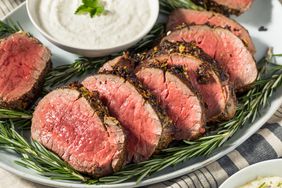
(93, 7)
(262, 185)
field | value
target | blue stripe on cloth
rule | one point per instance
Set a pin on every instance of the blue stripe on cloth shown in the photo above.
(227, 164)
(275, 128)
(256, 149)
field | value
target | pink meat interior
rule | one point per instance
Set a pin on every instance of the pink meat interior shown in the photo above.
(182, 105)
(212, 92)
(65, 123)
(20, 65)
(189, 16)
(134, 113)
(223, 46)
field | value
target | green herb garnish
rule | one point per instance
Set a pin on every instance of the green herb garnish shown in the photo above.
(166, 6)
(9, 28)
(93, 7)
(262, 185)
(13, 114)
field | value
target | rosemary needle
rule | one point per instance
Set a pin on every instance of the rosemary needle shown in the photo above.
(9, 28)
(13, 114)
(166, 6)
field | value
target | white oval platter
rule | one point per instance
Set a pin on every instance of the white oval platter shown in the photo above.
(263, 13)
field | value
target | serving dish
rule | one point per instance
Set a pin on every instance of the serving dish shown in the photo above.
(32, 10)
(271, 168)
(262, 40)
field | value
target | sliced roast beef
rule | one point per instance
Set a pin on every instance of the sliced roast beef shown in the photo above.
(227, 49)
(173, 91)
(73, 123)
(148, 128)
(226, 7)
(190, 17)
(177, 96)
(24, 62)
(109, 66)
(210, 82)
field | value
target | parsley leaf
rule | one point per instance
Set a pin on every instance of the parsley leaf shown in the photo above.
(93, 7)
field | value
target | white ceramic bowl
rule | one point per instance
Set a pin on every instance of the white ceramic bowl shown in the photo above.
(262, 169)
(33, 15)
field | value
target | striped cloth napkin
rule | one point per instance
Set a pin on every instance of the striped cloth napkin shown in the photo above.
(264, 145)
(7, 6)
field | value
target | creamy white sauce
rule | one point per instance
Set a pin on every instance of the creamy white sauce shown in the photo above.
(264, 182)
(123, 20)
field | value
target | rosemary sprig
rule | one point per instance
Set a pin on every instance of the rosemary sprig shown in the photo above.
(21, 119)
(13, 114)
(82, 66)
(62, 74)
(35, 156)
(9, 28)
(169, 157)
(166, 6)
